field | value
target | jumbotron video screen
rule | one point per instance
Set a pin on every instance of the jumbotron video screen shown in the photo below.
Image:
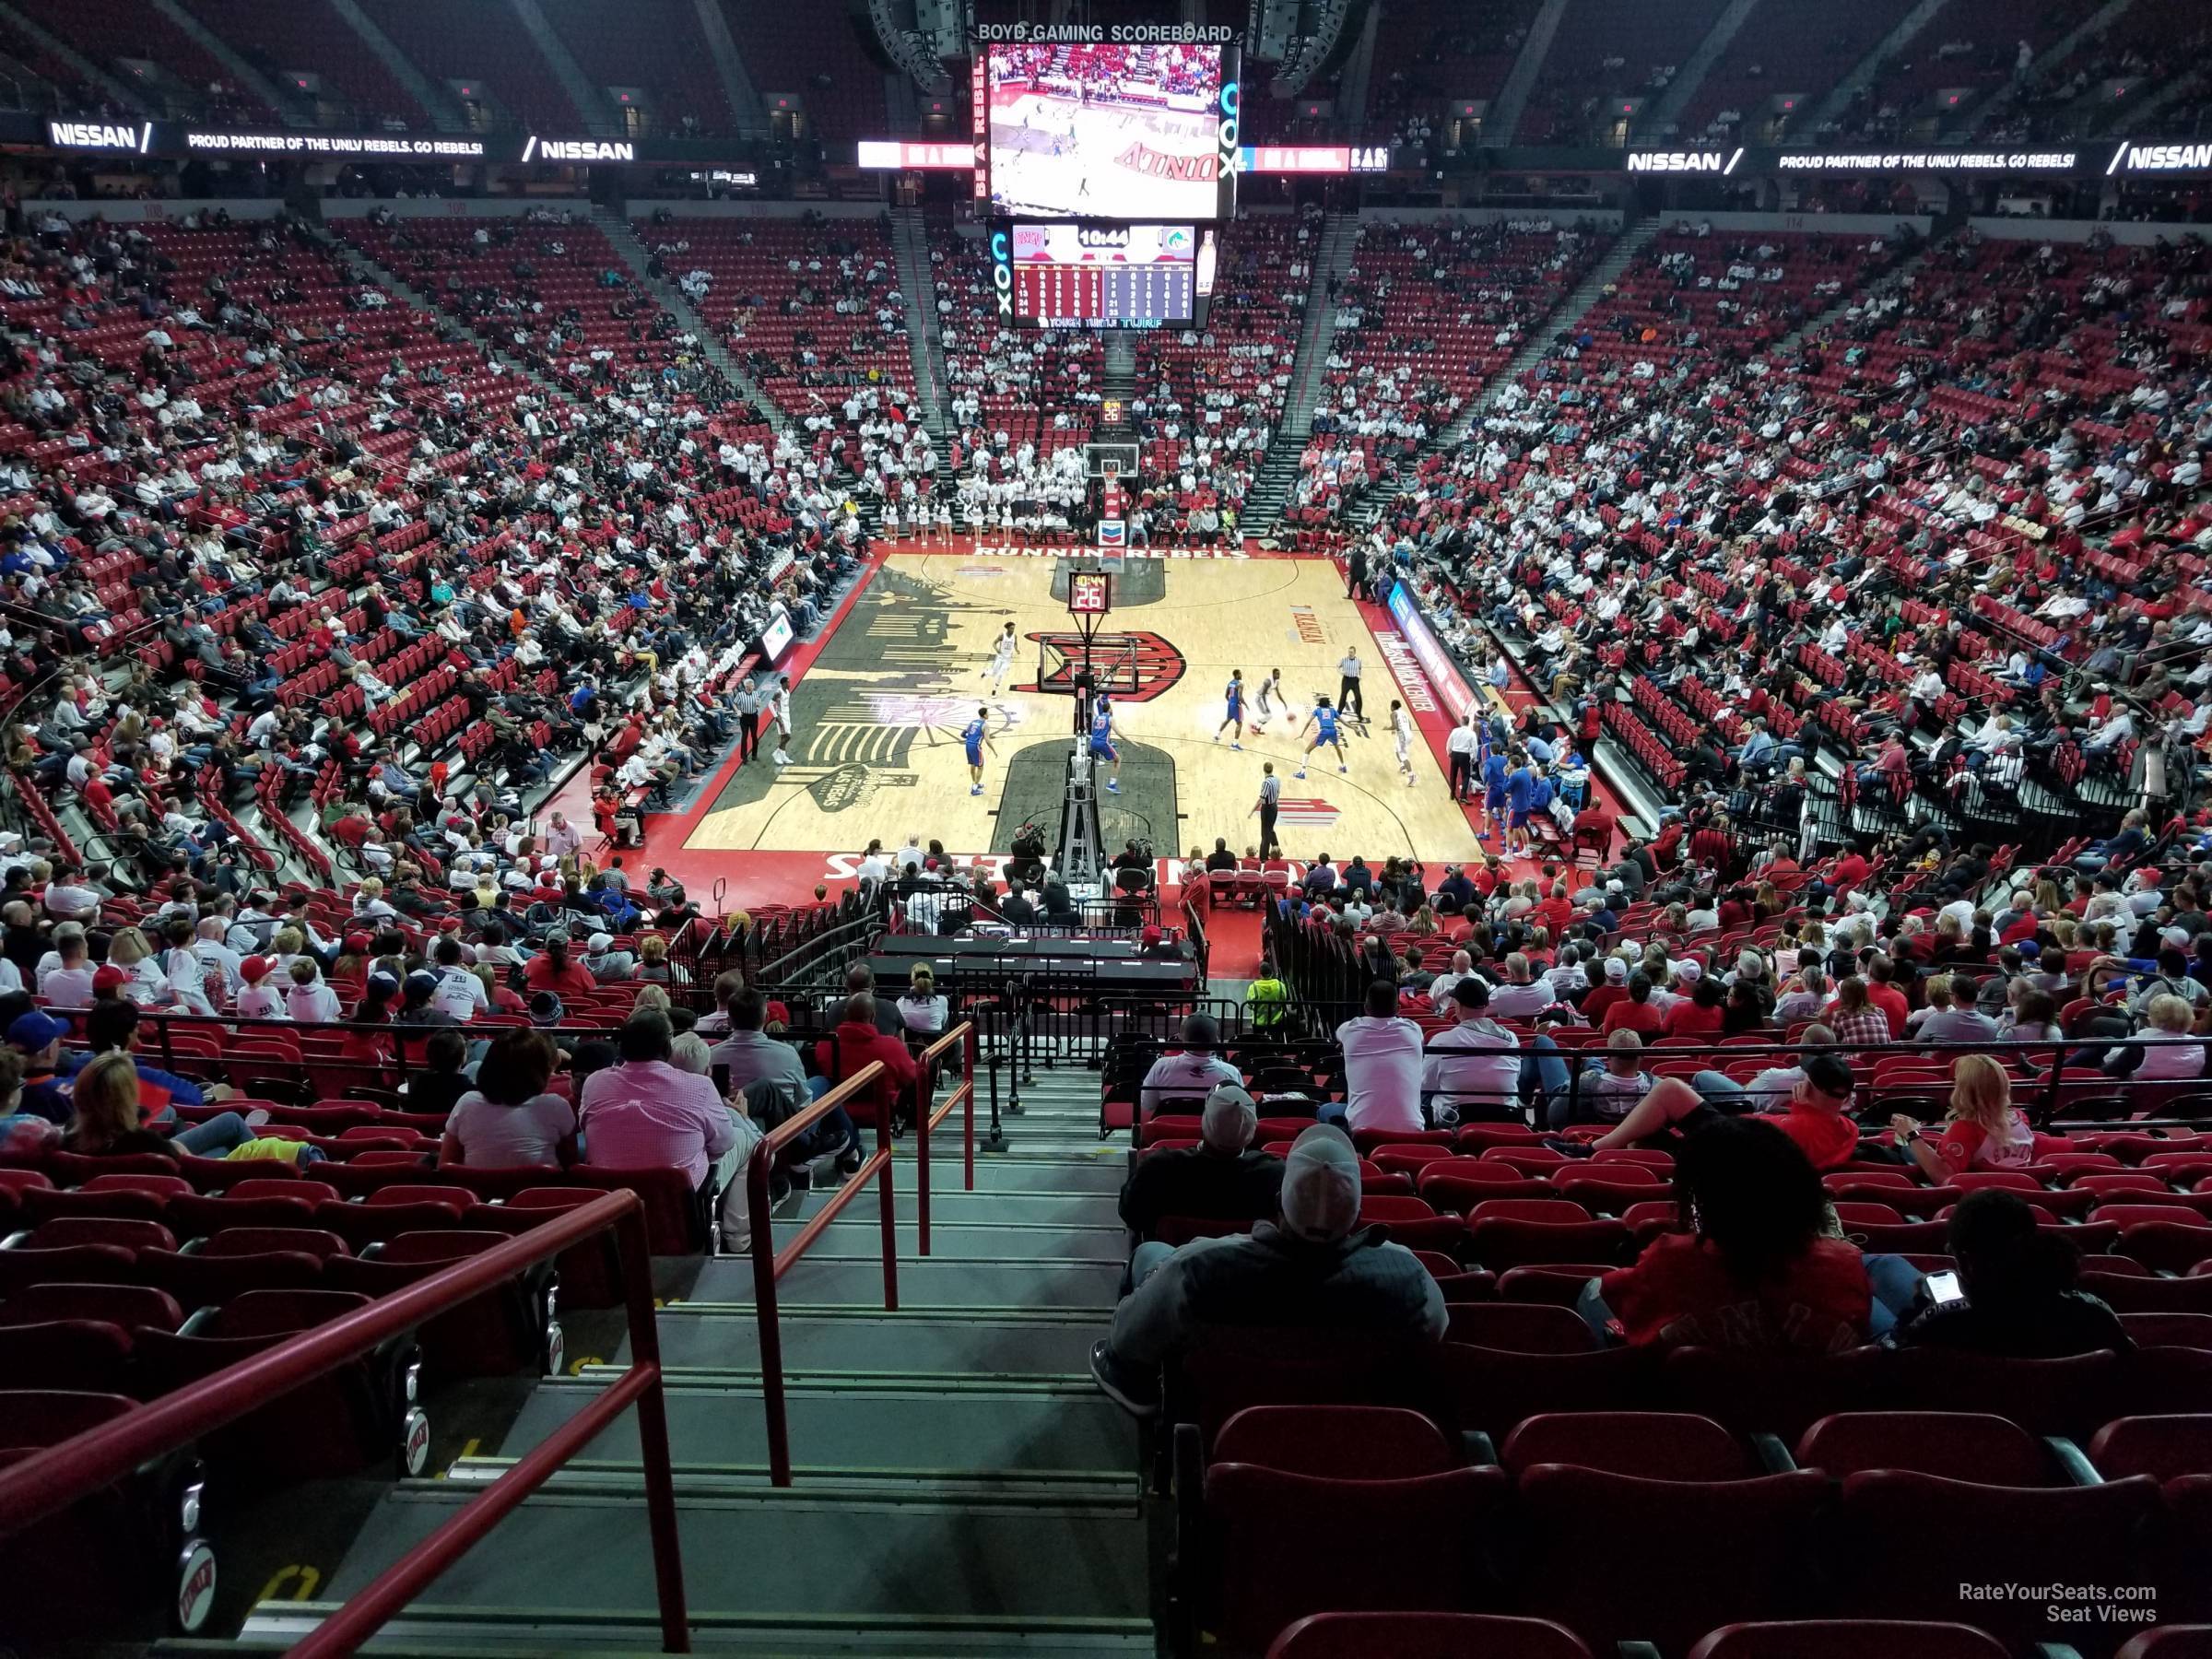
(1103, 130)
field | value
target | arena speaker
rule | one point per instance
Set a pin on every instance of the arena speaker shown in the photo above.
(944, 24)
(1325, 33)
(1273, 23)
(894, 35)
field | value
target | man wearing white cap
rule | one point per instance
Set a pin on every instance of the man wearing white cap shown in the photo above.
(1687, 972)
(1317, 1268)
(1221, 1178)
(604, 961)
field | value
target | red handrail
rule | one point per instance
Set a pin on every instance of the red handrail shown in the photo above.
(768, 1265)
(50, 1480)
(963, 1034)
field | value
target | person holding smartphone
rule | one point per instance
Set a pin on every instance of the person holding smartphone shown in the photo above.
(2014, 1293)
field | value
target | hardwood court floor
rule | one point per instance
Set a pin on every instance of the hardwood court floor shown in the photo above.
(878, 716)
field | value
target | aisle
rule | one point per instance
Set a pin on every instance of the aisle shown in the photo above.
(960, 1486)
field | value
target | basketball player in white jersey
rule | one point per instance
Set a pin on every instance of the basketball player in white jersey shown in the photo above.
(1401, 730)
(1002, 659)
(1272, 697)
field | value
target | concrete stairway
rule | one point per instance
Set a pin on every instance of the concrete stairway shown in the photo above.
(590, 102)
(437, 97)
(295, 112)
(1504, 119)
(1862, 73)
(1662, 116)
(2059, 51)
(1633, 240)
(623, 236)
(381, 275)
(933, 384)
(126, 97)
(737, 85)
(1117, 366)
(2113, 121)
(960, 1487)
(1277, 475)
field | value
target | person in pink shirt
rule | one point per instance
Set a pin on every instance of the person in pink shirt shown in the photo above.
(645, 1113)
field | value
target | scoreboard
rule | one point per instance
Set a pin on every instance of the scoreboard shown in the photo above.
(1102, 295)
(1100, 276)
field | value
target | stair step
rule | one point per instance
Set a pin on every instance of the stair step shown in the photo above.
(1057, 1425)
(470, 1633)
(574, 1550)
(965, 1343)
(1093, 1170)
(957, 1206)
(849, 1240)
(936, 1283)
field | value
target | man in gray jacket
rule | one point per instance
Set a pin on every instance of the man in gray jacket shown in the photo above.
(1316, 1268)
(776, 1087)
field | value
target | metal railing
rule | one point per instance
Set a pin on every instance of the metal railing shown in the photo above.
(771, 1265)
(2043, 1083)
(50, 1480)
(928, 1116)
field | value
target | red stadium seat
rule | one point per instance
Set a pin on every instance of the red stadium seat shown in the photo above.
(1521, 1327)
(1254, 1512)
(1848, 1638)
(1426, 1636)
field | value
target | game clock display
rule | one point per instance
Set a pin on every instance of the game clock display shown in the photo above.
(1088, 594)
(1070, 276)
(1102, 295)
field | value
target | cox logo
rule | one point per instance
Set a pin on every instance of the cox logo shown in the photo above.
(1002, 271)
(1227, 132)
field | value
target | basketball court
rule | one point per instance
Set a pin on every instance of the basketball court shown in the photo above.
(879, 712)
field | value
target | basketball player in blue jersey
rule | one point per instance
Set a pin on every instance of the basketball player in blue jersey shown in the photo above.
(1321, 723)
(1234, 696)
(1493, 788)
(977, 734)
(1101, 743)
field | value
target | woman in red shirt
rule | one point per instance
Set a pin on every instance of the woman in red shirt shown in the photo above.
(1700, 1014)
(1748, 1267)
(1983, 1129)
(552, 971)
(1636, 1014)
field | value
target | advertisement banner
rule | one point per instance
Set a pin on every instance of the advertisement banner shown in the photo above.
(1435, 661)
